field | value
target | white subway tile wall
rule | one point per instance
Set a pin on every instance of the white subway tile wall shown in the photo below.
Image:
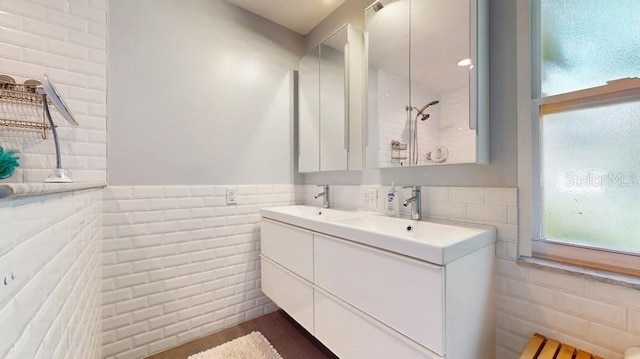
(601, 318)
(50, 246)
(179, 263)
(66, 40)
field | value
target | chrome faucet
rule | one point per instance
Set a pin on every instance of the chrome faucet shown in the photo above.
(325, 195)
(415, 200)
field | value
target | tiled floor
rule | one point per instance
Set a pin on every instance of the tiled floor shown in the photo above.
(286, 336)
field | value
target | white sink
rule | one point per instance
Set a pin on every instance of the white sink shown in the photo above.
(435, 242)
(406, 228)
(316, 213)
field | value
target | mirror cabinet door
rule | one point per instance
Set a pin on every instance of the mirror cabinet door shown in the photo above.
(333, 102)
(387, 41)
(330, 103)
(423, 108)
(440, 38)
(309, 112)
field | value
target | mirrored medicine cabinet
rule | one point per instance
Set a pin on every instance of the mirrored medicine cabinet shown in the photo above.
(330, 103)
(411, 91)
(427, 83)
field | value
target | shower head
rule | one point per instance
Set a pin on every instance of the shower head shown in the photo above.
(420, 111)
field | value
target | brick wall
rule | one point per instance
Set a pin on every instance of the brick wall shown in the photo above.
(51, 245)
(66, 40)
(179, 263)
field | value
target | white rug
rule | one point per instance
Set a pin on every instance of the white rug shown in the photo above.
(251, 346)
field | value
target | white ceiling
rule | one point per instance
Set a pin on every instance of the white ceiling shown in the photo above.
(300, 16)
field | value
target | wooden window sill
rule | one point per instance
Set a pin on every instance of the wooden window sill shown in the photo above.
(582, 272)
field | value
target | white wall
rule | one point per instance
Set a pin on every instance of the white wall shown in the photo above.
(52, 245)
(180, 264)
(200, 98)
(200, 92)
(66, 40)
(600, 318)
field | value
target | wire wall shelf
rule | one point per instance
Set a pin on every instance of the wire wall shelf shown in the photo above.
(20, 93)
(24, 125)
(19, 104)
(398, 151)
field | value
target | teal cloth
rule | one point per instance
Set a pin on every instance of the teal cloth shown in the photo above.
(8, 163)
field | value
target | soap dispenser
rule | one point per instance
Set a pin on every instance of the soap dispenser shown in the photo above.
(391, 207)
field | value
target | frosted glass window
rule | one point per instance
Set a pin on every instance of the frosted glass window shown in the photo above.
(591, 176)
(586, 43)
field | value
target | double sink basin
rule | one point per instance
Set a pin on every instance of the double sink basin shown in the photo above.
(431, 241)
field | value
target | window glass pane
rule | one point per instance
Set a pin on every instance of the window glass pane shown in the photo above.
(586, 43)
(591, 176)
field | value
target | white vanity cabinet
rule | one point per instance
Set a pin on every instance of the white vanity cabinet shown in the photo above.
(287, 270)
(405, 294)
(365, 302)
(289, 246)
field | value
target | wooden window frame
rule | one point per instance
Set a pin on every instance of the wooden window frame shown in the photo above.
(531, 242)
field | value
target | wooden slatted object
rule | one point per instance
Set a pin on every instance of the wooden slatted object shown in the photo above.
(540, 347)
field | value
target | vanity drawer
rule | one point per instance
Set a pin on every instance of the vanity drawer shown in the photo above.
(349, 333)
(404, 293)
(291, 293)
(288, 246)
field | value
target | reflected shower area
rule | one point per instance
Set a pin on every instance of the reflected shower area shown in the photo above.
(418, 79)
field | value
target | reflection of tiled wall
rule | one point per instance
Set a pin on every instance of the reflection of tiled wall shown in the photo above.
(428, 133)
(180, 263)
(67, 40)
(448, 124)
(52, 246)
(393, 96)
(601, 318)
(454, 127)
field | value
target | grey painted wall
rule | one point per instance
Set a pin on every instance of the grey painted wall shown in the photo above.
(199, 93)
(502, 171)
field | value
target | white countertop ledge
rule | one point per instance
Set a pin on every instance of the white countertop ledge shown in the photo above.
(15, 190)
(450, 240)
